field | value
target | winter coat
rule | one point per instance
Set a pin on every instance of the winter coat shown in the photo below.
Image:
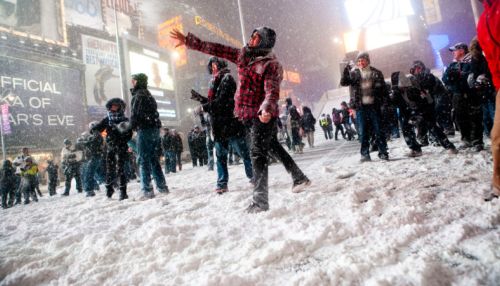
(336, 118)
(7, 176)
(260, 76)
(455, 77)
(353, 79)
(92, 145)
(221, 107)
(115, 139)
(71, 161)
(323, 122)
(52, 172)
(488, 35)
(168, 143)
(144, 112)
(434, 87)
(178, 143)
(307, 122)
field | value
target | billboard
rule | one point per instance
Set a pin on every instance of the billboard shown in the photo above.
(158, 66)
(44, 103)
(377, 24)
(165, 41)
(87, 13)
(42, 20)
(102, 73)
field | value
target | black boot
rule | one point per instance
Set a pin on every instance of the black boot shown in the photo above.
(123, 195)
(109, 192)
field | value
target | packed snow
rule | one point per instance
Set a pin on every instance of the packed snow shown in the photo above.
(410, 221)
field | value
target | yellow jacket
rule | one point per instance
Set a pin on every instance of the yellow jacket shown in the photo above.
(30, 171)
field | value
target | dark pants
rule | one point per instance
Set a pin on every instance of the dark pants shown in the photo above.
(338, 127)
(368, 118)
(170, 161)
(8, 194)
(469, 118)
(73, 172)
(52, 186)
(264, 140)
(428, 124)
(488, 116)
(116, 158)
(28, 184)
(91, 168)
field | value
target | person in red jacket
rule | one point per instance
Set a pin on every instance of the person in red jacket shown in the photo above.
(488, 35)
(256, 104)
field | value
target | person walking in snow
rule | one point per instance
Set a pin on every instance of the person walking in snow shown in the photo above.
(256, 104)
(146, 121)
(307, 122)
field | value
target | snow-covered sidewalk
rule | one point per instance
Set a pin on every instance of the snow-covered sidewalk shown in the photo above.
(405, 222)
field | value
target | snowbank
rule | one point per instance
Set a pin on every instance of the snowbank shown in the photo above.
(406, 222)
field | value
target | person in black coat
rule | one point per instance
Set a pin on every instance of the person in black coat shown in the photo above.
(307, 122)
(145, 119)
(226, 129)
(416, 110)
(7, 184)
(52, 171)
(118, 135)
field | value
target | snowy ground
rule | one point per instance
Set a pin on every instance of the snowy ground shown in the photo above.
(405, 222)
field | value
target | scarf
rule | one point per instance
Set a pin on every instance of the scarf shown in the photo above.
(215, 82)
(116, 117)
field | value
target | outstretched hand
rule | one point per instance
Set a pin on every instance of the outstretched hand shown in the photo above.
(178, 35)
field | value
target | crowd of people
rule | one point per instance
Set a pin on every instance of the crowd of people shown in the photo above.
(247, 123)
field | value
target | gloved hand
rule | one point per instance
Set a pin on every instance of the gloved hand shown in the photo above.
(123, 127)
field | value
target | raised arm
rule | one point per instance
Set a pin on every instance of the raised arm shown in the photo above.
(215, 49)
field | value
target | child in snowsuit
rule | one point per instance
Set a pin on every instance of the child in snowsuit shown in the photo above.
(118, 135)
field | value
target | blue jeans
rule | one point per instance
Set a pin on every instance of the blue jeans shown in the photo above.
(368, 118)
(488, 116)
(210, 152)
(221, 151)
(148, 149)
(170, 161)
(91, 168)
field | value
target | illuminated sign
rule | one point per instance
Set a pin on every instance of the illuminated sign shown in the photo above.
(376, 24)
(158, 66)
(40, 20)
(214, 29)
(290, 76)
(432, 11)
(165, 41)
(86, 13)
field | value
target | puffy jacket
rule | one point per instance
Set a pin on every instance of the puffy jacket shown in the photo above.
(144, 113)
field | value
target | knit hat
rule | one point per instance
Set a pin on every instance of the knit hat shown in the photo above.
(142, 80)
(363, 55)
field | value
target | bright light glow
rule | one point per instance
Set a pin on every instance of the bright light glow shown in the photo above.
(364, 13)
(336, 40)
(175, 55)
(156, 70)
(189, 110)
(377, 23)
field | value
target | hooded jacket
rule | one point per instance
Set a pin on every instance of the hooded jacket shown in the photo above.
(220, 106)
(259, 72)
(116, 138)
(144, 113)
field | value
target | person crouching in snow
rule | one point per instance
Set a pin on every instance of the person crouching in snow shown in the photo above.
(416, 107)
(118, 134)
